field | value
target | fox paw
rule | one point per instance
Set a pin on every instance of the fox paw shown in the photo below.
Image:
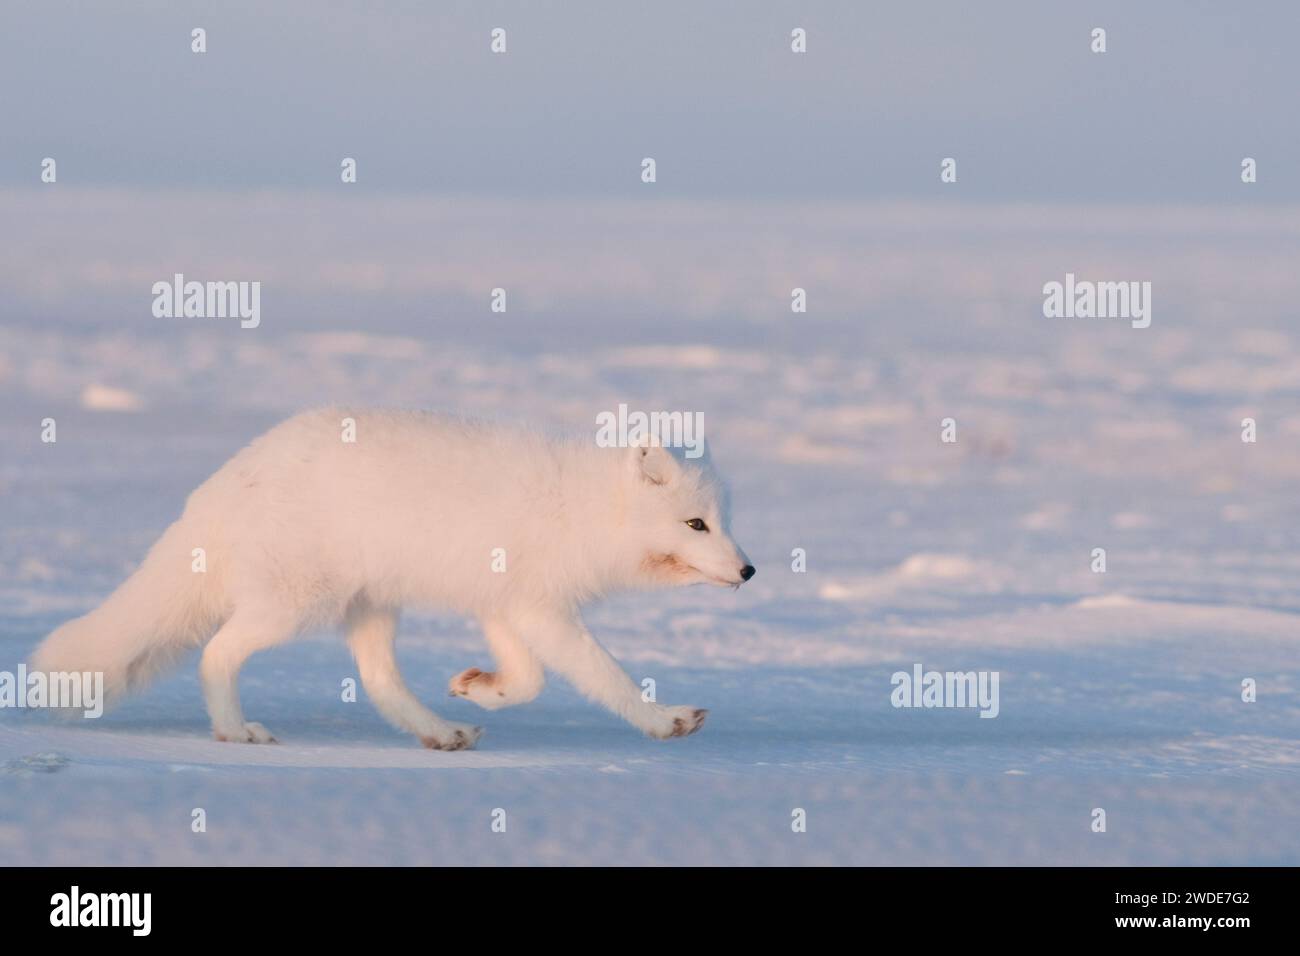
(250, 733)
(678, 722)
(455, 737)
(472, 683)
(484, 688)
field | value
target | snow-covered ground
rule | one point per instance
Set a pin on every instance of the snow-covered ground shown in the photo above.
(1119, 690)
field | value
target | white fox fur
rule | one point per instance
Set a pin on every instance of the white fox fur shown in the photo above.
(302, 529)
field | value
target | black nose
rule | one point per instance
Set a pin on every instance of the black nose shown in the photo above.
(747, 572)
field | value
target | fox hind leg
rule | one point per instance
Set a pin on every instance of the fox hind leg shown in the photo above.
(245, 633)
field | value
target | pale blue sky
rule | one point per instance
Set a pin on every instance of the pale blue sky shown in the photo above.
(710, 89)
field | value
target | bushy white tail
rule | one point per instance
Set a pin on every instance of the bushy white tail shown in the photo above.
(158, 613)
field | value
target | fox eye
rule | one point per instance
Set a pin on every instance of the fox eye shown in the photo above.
(697, 525)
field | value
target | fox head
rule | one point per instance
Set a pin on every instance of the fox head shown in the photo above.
(677, 513)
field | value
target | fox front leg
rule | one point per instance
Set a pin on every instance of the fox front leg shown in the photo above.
(562, 643)
(517, 679)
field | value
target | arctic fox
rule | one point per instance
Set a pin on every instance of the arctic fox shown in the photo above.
(306, 529)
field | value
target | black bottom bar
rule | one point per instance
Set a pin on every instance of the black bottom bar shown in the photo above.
(331, 905)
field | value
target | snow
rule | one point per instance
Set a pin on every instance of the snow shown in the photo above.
(1119, 690)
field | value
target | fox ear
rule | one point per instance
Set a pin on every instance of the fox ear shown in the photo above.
(654, 463)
